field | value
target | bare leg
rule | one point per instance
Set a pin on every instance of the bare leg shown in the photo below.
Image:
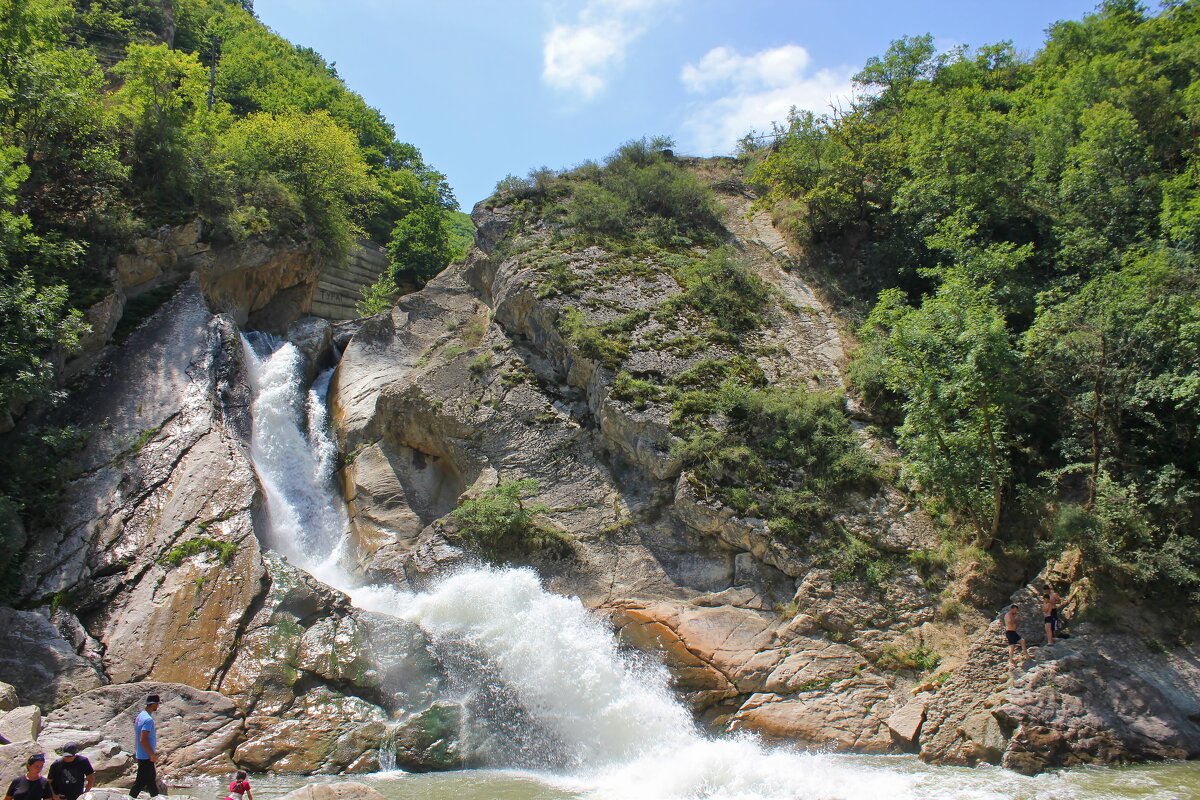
(1012, 655)
(1049, 633)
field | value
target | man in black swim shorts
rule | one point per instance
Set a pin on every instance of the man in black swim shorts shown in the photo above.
(1011, 620)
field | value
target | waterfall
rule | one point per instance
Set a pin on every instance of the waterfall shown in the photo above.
(611, 723)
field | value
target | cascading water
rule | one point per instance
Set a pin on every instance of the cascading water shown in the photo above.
(610, 725)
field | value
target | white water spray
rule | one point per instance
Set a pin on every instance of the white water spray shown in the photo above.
(618, 732)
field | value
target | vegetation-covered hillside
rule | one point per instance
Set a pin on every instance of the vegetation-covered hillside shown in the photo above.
(1027, 230)
(116, 117)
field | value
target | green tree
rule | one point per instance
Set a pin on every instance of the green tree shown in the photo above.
(953, 363)
(315, 158)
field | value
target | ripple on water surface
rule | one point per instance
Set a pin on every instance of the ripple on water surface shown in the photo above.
(1175, 781)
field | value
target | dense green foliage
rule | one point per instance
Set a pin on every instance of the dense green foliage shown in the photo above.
(116, 117)
(1030, 228)
(639, 194)
(501, 520)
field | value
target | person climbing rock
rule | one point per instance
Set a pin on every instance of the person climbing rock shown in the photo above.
(1049, 615)
(1011, 620)
(1056, 601)
(145, 740)
(31, 785)
(239, 788)
(71, 775)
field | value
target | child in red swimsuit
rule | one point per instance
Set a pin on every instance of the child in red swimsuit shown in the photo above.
(239, 788)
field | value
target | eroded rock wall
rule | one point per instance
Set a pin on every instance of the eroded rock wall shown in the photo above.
(154, 574)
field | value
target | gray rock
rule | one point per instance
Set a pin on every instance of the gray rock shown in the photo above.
(41, 666)
(313, 337)
(21, 724)
(8, 697)
(344, 790)
(197, 730)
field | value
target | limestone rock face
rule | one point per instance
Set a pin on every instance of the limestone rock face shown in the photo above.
(471, 381)
(156, 548)
(41, 667)
(267, 283)
(158, 576)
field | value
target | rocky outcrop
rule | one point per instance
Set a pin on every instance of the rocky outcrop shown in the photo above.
(156, 574)
(472, 381)
(746, 669)
(1102, 702)
(196, 729)
(41, 666)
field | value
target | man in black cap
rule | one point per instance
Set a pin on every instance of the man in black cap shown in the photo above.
(145, 741)
(71, 775)
(31, 786)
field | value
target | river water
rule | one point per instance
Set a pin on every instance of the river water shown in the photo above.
(595, 722)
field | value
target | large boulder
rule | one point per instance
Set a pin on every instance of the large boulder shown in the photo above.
(21, 724)
(1112, 702)
(197, 730)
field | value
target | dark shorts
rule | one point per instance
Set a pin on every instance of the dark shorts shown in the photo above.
(1013, 637)
(1049, 620)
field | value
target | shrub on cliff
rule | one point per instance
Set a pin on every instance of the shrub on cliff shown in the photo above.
(771, 452)
(641, 192)
(501, 520)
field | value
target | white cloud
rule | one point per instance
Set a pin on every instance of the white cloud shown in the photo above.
(742, 93)
(578, 57)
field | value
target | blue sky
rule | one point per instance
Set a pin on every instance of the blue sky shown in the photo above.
(486, 88)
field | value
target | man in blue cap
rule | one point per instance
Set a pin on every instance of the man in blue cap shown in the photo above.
(144, 743)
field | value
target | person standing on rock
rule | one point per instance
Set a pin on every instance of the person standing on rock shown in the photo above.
(1049, 616)
(145, 742)
(31, 786)
(71, 775)
(1011, 619)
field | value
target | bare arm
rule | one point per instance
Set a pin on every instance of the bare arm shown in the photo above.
(89, 781)
(148, 748)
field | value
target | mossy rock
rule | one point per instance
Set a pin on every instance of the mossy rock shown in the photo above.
(430, 741)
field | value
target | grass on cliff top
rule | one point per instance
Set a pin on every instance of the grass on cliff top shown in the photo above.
(639, 193)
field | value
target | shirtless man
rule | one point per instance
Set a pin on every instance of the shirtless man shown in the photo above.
(1049, 612)
(1011, 618)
